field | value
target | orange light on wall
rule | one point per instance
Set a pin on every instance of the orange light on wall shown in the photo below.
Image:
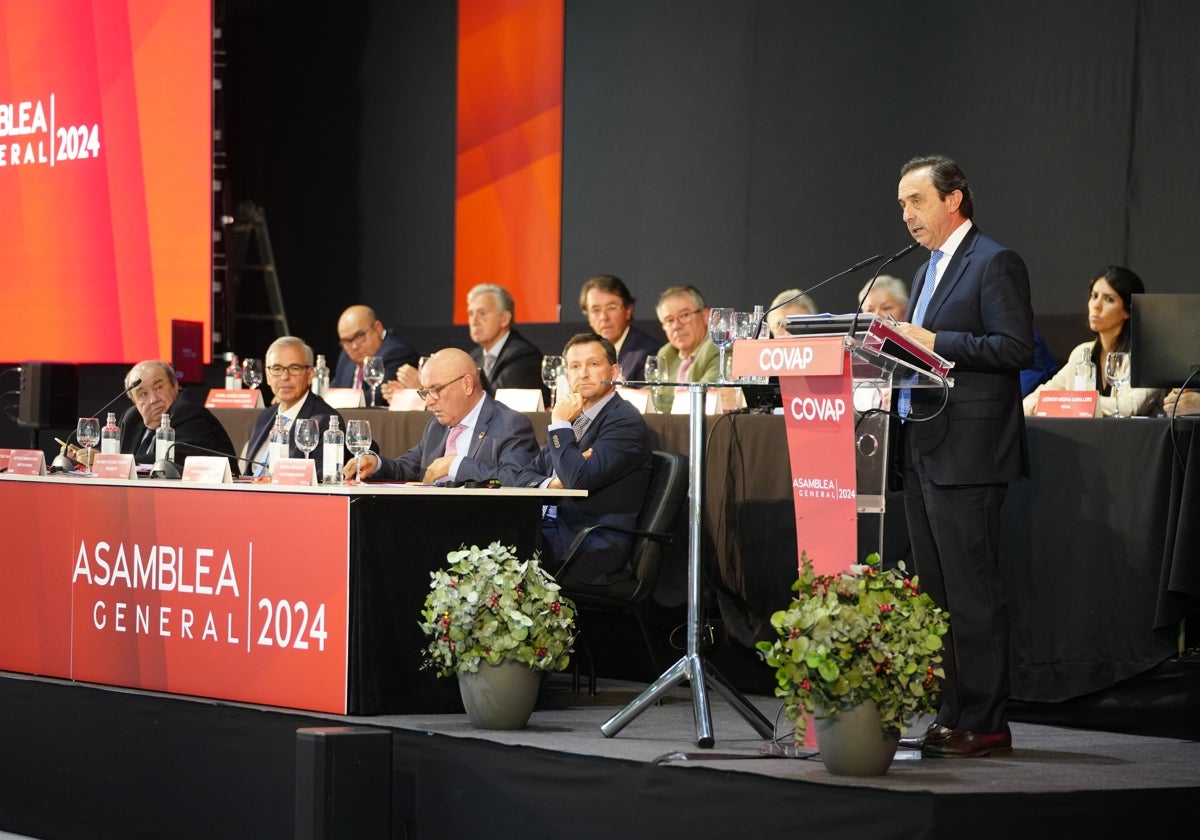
(508, 197)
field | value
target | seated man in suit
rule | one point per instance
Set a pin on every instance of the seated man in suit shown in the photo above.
(159, 393)
(289, 369)
(507, 358)
(361, 334)
(608, 306)
(470, 437)
(596, 442)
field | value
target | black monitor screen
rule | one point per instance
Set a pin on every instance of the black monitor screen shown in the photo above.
(1164, 340)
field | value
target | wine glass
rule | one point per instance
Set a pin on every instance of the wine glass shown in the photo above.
(358, 440)
(551, 369)
(306, 432)
(372, 367)
(252, 373)
(88, 432)
(1116, 370)
(720, 330)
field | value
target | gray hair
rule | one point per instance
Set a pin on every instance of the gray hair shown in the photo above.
(290, 341)
(503, 299)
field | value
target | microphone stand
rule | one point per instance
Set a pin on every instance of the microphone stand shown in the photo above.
(855, 267)
(63, 464)
(905, 251)
(168, 469)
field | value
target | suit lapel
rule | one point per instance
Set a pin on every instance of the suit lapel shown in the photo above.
(954, 272)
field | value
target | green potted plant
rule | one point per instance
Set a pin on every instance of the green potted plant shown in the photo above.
(855, 639)
(498, 623)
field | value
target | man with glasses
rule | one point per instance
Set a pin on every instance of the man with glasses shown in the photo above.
(157, 393)
(470, 438)
(289, 369)
(608, 306)
(596, 442)
(361, 334)
(689, 355)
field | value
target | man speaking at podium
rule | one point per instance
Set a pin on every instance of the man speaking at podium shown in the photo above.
(971, 305)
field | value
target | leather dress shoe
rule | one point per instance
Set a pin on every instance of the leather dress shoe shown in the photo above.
(934, 732)
(962, 743)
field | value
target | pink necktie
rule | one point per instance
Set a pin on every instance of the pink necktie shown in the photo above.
(452, 439)
(685, 366)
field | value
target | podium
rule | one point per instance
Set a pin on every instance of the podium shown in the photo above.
(824, 378)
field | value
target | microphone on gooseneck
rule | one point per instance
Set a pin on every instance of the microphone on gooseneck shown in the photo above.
(903, 252)
(165, 467)
(855, 267)
(61, 462)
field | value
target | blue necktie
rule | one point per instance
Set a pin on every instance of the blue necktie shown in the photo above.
(927, 288)
(904, 403)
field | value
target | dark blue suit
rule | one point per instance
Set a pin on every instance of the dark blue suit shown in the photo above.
(957, 467)
(616, 476)
(519, 365)
(634, 350)
(502, 443)
(192, 422)
(313, 406)
(396, 352)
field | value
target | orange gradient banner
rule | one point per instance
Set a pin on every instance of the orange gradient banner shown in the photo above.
(105, 177)
(508, 201)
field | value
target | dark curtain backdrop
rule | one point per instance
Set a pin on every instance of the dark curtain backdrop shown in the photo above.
(745, 146)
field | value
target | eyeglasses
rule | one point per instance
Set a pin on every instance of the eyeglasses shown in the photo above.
(294, 370)
(357, 337)
(607, 309)
(680, 319)
(436, 390)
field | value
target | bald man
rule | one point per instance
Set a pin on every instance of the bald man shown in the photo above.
(470, 437)
(362, 334)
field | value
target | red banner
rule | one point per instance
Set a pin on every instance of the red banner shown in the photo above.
(815, 381)
(235, 594)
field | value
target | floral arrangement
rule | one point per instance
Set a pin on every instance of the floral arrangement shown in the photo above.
(490, 606)
(864, 634)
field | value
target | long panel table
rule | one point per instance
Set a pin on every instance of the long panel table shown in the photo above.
(1101, 546)
(304, 597)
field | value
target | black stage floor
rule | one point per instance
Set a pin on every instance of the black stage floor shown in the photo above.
(83, 761)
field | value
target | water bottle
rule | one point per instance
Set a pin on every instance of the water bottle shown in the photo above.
(233, 373)
(333, 446)
(320, 377)
(110, 436)
(164, 440)
(1085, 371)
(277, 443)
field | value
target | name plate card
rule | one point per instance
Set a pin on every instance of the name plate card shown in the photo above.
(345, 397)
(298, 471)
(683, 401)
(27, 462)
(207, 469)
(114, 466)
(234, 398)
(406, 399)
(639, 398)
(4, 455)
(1067, 404)
(521, 399)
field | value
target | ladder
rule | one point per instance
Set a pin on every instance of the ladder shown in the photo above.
(253, 302)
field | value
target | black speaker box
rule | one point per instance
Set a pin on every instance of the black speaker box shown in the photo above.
(49, 395)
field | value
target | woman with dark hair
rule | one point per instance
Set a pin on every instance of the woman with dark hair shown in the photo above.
(1109, 303)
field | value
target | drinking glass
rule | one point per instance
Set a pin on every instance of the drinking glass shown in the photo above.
(252, 373)
(306, 432)
(551, 369)
(720, 330)
(358, 440)
(88, 432)
(653, 374)
(373, 375)
(1116, 370)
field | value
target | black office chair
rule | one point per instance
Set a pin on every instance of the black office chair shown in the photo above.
(664, 498)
